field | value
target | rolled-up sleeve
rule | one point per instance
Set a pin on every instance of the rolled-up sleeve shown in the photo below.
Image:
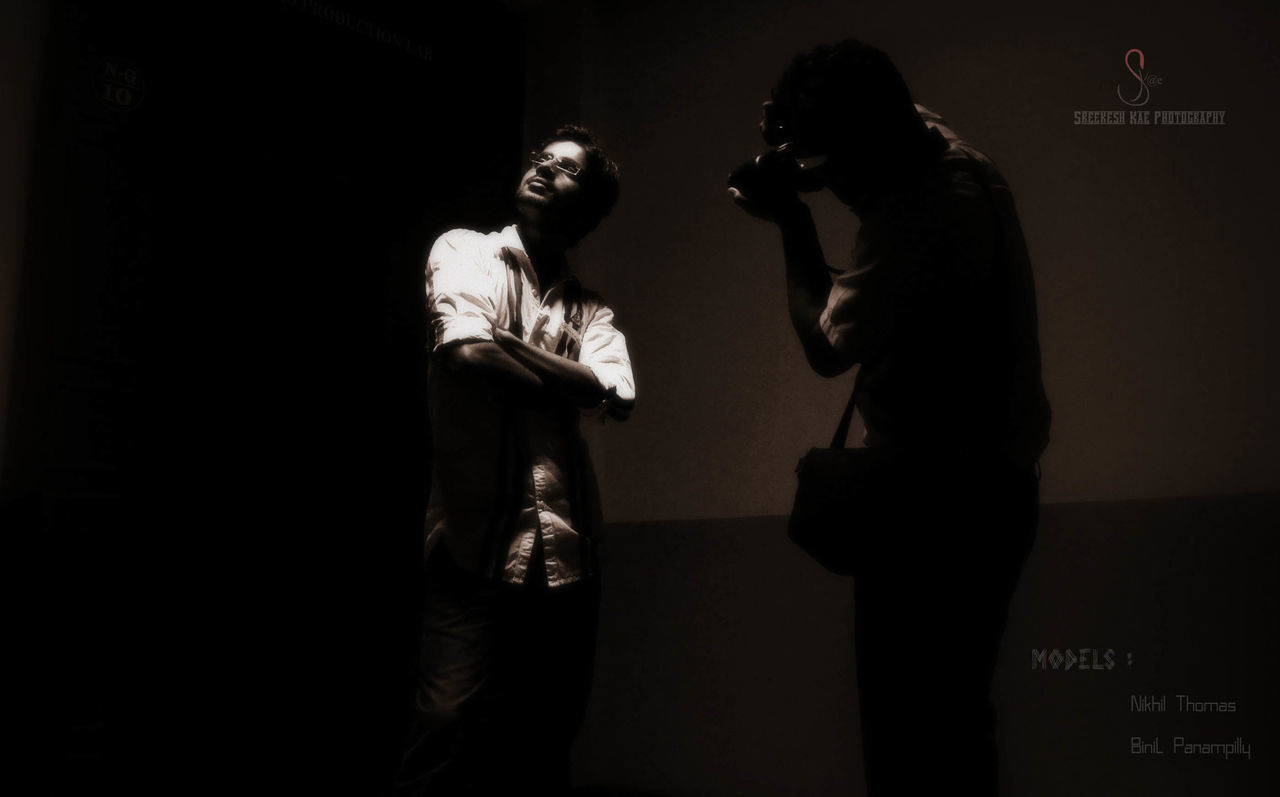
(604, 351)
(922, 273)
(460, 291)
(857, 314)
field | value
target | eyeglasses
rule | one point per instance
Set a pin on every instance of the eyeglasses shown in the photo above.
(569, 167)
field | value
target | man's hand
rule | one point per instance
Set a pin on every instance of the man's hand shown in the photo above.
(504, 338)
(766, 186)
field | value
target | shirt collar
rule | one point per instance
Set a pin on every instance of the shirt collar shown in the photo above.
(509, 237)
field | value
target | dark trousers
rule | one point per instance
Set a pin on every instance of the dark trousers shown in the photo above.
(504, 675)
(928, 625)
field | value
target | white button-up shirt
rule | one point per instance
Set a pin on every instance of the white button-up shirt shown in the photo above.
(505, 476)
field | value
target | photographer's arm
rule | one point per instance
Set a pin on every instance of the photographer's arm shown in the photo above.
(808, 286)
(764, 188)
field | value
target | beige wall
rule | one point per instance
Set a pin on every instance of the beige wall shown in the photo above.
(1152, 246)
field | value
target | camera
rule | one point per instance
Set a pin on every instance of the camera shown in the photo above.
(777, 170)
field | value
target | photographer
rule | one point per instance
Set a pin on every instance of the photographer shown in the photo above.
(938, 309)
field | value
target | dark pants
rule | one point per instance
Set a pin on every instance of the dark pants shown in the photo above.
(505, 672)
(927, 631)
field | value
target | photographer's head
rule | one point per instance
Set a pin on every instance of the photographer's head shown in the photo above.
(570, 185)
(848, 102)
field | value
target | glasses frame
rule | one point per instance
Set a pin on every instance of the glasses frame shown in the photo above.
(565, 165)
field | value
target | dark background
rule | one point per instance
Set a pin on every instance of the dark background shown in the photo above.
(215, 457)
(214, 454)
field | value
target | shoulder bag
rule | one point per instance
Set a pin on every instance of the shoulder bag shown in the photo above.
(838, 516)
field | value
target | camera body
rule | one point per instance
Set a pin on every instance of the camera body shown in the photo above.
(777, 169)
(773, 172)
(772, 128)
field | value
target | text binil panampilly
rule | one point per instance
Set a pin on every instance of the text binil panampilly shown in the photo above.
(1237, 748)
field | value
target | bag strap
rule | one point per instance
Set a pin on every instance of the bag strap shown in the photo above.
(506, 508)
(842, 431)
(573, 318)
(841, 438)
(516, 260)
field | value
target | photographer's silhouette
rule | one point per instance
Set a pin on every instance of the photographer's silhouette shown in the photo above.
(938, 309)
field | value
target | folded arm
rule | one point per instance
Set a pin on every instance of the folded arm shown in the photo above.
(462, 281)
(487, 361)
(571, 380)
(469, 340)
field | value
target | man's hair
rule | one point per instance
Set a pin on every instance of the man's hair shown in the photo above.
(599, 178)
(851, 90)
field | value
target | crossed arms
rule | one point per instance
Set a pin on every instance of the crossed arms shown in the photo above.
(535, 375)
(466, 284)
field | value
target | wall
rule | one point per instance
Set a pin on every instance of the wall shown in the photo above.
(725, 663)
(1151, 245)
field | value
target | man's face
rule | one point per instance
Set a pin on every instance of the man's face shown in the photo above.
(548, 190)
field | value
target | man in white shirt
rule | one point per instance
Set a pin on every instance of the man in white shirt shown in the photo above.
(520, 350)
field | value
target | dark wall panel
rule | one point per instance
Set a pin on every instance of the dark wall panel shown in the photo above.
(217, 454)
